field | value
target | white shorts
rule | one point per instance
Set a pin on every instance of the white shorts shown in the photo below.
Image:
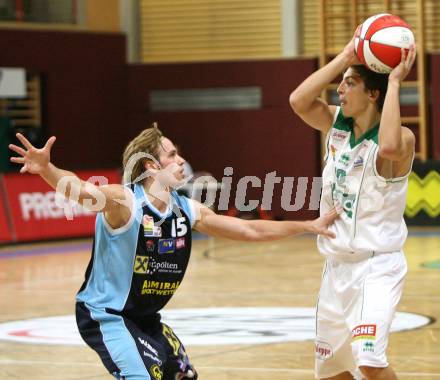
(356, 306)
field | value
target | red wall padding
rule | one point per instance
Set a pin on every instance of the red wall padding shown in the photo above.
(434, 114)
(84, 77)
(95, 103)
(5, 228)
(34, 212)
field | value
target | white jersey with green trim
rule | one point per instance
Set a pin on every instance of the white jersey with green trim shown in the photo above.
(372, 206)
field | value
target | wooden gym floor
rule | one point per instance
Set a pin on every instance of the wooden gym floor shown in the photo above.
(41, 280)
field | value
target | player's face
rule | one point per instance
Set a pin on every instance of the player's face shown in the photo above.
(170, 159)
(352, 95)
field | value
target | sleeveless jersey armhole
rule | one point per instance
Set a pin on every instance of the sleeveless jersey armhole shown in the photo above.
(327, 137)
(390, 180)
(189, 208)
(124, 228)
(192, 209)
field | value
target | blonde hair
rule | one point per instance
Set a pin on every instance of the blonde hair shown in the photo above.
(148, 141)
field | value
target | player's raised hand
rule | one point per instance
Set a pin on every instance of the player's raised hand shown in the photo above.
(34, 160)
(401, 71)
(349, 50)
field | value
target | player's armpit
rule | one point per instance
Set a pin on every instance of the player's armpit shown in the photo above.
(118, 206)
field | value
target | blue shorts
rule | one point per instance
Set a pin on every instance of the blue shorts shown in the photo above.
(134, 350)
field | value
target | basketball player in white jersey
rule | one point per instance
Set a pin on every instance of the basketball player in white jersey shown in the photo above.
(141, 251)
(369, 157)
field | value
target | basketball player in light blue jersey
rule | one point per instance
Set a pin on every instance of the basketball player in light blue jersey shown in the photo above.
(140, 253)
(369, 157)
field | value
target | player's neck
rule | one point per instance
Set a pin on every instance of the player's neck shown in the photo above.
(158, 195)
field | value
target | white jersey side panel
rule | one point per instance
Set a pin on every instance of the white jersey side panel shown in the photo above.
(373, 207)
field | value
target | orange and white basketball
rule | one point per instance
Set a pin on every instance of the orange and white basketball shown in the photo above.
(378, 41)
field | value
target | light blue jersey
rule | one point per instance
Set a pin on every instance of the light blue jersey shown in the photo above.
(135, 269)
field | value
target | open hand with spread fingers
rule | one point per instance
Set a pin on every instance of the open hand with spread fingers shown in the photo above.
(34, 161)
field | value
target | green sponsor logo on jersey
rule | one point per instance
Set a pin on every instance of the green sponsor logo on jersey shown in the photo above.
(340, 193)
(344, 160)
(368, 346)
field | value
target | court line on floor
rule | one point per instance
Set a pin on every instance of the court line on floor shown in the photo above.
(305, 371)
(45, 362)
(240, 369)
(62, 248)
(38, 251)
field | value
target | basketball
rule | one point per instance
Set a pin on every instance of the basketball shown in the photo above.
(378, 42)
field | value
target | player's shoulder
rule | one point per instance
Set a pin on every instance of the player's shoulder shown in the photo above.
(185, 204)
(408, 134)
(178, 198)
(409, 140)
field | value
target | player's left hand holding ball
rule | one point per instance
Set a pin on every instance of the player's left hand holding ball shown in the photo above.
(349, 51)
(401, 71)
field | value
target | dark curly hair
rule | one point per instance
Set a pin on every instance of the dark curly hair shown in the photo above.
(373, 81)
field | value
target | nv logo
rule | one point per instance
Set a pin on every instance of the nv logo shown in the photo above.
(166, 246)
(141, 264)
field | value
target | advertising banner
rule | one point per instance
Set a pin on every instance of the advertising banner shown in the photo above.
(5, 232)
(39, 213)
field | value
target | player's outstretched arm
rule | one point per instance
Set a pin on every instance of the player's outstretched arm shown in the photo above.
(210, 223)
(396, 143)
(113, 199)
(305, 99)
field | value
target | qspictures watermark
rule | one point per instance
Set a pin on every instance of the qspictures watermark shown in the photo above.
(344, 190)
